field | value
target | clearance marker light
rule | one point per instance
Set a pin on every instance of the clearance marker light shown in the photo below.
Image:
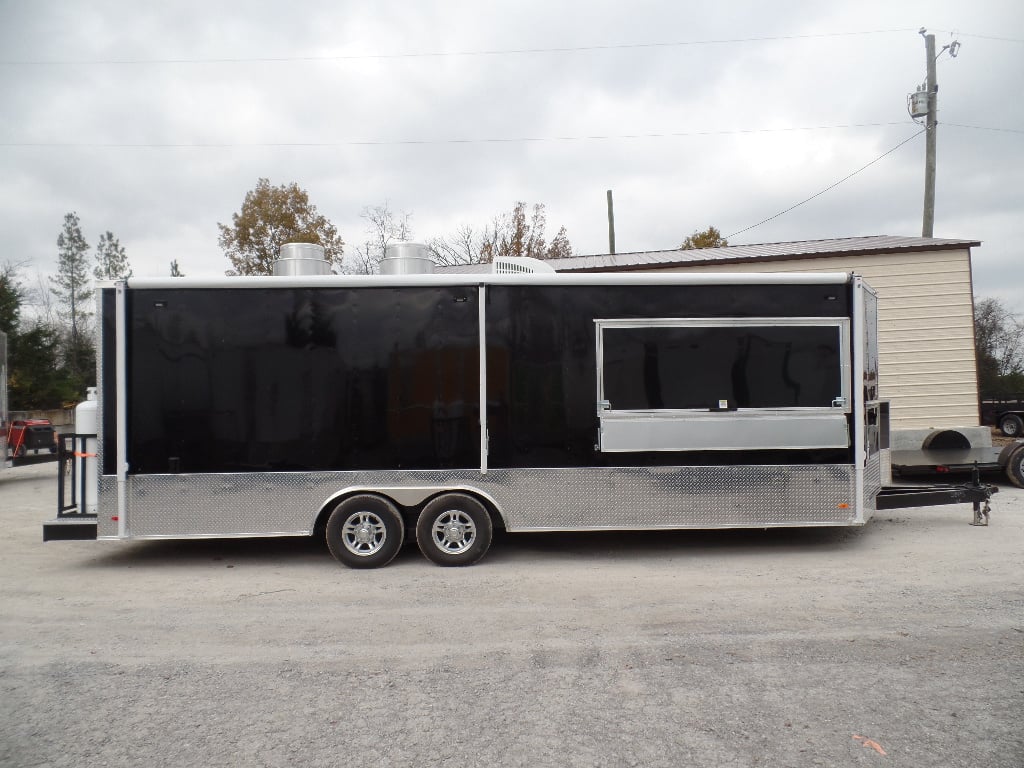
(843, 506)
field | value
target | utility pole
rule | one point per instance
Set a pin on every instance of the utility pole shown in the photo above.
(931, 125)
(611, 225)
(924, 102)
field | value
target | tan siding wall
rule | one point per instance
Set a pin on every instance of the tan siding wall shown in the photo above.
(925, 329)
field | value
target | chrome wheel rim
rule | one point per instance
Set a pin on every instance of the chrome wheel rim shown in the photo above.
(364, 533)
(454, 532)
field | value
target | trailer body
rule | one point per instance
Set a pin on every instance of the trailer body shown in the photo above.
(256, 406)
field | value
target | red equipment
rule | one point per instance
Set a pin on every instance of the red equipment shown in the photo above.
(31, 435)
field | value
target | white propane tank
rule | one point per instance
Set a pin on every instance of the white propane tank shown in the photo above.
(86, 462)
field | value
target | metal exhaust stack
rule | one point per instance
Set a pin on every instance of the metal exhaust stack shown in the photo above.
(406, 259)
(300, 259)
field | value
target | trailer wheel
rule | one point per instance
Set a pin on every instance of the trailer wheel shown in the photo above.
(1011, 425)
(1015, 467)
(454, 529)
(365, 531)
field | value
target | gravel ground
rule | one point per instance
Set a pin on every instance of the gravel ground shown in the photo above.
(900, 643)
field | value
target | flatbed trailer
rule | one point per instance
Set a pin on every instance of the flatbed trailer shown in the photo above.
(373, 410)
(1005, 412)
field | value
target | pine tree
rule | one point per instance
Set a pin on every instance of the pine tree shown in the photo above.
(71, 287)
(111, 261)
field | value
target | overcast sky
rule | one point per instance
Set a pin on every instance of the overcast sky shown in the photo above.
(154, 120)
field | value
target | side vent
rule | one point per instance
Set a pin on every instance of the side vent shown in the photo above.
(520, 265)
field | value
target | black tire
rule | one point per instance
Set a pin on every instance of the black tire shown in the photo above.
(454, 529)
(365, 531)
(1015, 467)
(1011, 425)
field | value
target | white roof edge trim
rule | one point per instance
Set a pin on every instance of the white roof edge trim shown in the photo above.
(395, 281)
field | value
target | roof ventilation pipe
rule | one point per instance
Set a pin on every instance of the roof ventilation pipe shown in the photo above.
(301, 259)
(406, 259)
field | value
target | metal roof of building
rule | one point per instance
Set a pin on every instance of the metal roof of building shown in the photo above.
(734, 254)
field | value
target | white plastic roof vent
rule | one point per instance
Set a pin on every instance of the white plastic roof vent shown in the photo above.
(519, 265)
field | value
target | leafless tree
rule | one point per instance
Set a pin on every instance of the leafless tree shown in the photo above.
(383, 227)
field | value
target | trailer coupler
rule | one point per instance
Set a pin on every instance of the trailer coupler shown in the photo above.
(975, 493)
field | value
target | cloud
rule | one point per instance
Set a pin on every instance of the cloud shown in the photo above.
(223, 94)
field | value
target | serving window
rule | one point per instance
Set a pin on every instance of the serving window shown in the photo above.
(723, 383)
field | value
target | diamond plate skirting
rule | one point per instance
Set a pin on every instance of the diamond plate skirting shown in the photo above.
(106, 507)
(265, 504)
(872, 484)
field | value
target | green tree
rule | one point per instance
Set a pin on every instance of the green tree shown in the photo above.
(111, 261)
(36, 377)
(175, 270)
(270, 217)
(709, 238)
(12, 295)
(999, 346)
(71, 283)
(73, 292)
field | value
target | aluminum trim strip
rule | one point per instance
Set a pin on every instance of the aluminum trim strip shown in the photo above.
(859, 413)
(539, 278)
(121, 357)
(717, 322)
(482, 320)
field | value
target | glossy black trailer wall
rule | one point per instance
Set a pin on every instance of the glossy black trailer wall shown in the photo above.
(241, 380)
(283, 379)
(542, 361)
(108, 378)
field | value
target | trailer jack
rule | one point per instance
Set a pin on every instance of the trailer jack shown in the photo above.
(981, 508)
(981, 513)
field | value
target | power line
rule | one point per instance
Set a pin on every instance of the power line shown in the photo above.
(826, 189)
(982, 37)
(440, 54)
(419, 142)
(984, 128)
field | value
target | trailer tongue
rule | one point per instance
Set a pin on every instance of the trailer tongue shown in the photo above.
(976, 493)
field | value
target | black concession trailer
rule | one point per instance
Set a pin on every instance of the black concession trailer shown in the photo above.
(374, 409)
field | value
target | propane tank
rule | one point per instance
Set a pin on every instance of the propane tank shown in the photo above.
(86, 462)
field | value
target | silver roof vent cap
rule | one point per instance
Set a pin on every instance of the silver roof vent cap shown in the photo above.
(299, 259)
(406, 258)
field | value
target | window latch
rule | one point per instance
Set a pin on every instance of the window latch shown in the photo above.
(839, 402)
